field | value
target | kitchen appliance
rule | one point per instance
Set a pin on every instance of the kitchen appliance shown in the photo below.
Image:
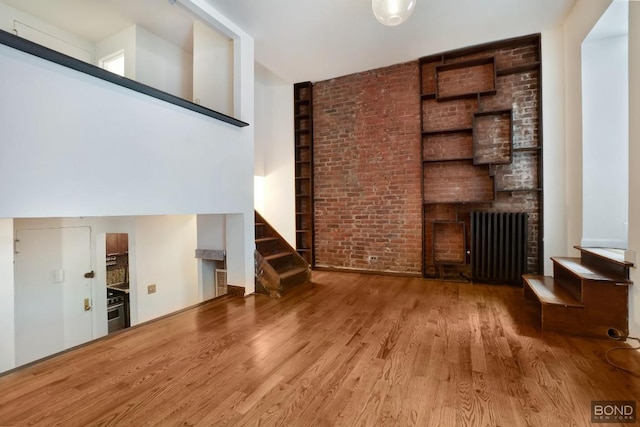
(116, 310)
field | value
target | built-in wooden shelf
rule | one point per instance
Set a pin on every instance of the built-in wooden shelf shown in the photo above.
(452, 130)
(303, 126)
(516, 190)
(470, 121)
(526, 149)
(485, 84)
(451, 159)
(493, 137)
(447, 236)
(519, 69)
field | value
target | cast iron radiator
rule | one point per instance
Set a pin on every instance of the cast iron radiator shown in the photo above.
(498, 246)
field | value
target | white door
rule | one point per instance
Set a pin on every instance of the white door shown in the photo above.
(50, 291)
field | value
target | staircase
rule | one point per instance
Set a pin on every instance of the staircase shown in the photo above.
(586, 296)
(278, 266)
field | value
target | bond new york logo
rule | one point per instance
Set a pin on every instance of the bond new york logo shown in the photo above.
(613, 411)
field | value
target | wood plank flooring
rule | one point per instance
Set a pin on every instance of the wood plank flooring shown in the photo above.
(346, 350)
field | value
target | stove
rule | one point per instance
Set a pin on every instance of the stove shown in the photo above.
(117, 310)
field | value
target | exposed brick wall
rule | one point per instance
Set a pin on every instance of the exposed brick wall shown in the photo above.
(367, 170)
(447, 115)
(477, 78)
(457, 182)
(492, 139)
(445, 146)
(367, 160)
(449, 242)
(519, 92)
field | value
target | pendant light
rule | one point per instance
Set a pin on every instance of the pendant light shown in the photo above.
(392, 12)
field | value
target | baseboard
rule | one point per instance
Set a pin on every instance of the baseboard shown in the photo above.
(235, 290)
(363, 271)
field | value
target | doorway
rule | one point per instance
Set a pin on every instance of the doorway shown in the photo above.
(117, 281)
(52, 294)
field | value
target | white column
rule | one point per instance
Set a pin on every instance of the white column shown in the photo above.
(7, 323)
(634, 162)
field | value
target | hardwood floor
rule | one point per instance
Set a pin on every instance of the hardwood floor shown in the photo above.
(349, 349)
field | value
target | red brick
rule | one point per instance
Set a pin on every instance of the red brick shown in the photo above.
(367, 170)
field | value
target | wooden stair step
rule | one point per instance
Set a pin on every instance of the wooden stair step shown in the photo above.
(266, 239)
(584, 271)
(550, 291)
(291, 272)
(277, 255)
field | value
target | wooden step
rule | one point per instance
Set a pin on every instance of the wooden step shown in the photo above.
(548, 290)
(293, 277)
(277, 255)
(266, 239)
(291, 272)
(584, 271)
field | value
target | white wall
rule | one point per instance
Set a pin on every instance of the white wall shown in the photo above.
(45, 34)
(275, 156)
(578, 24)
(162, 65)
(634, 161)
(605, 119)
(84, 147)
(240, 230)
(212, 69)
(165, 256)
(554, 146)
(123, 40)
(7, 328)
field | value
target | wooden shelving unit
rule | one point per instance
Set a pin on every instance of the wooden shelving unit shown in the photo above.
(303, 127)
(477, 140)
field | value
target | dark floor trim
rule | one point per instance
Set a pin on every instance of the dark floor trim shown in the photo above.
(235, 290)
(375, 272)
(40, 51)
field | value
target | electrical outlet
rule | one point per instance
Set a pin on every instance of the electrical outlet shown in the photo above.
(151, 289)
(373, 258)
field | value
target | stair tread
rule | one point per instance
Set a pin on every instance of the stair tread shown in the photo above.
(607, 254)
(291, 272)
(549, 290)
(585, 272)
(266, 239)
(277, 255)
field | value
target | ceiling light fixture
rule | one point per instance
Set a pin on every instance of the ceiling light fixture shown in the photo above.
(392, 12)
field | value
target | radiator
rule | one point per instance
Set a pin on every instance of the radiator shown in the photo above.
(498, 246)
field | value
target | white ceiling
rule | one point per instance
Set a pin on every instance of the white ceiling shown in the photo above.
(315, 40)
(318, 39)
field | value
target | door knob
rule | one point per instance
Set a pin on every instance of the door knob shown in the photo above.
(87, 304)
(89, 275)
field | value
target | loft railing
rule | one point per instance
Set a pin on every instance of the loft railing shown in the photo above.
(40, 51)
